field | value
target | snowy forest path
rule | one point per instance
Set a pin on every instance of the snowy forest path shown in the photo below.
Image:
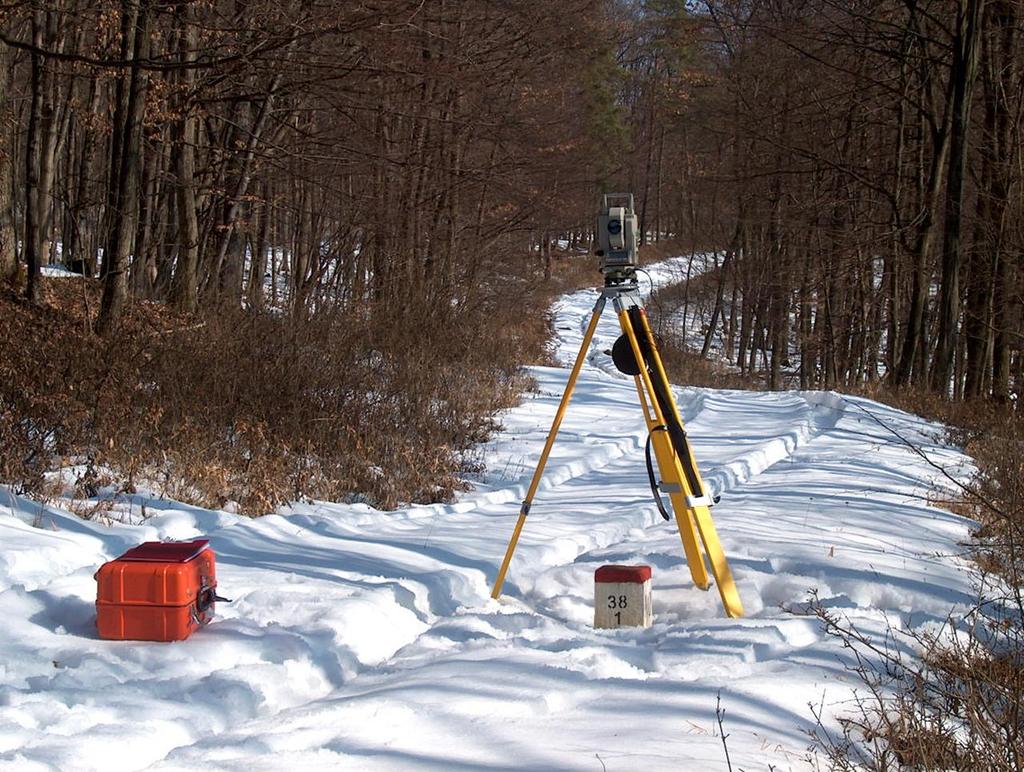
(367, 640)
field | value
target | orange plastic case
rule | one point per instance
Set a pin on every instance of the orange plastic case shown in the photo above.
(158, 591)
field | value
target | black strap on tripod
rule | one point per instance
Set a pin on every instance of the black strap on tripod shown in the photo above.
(650, 472)
(676, 433)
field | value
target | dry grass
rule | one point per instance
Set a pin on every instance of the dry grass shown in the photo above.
(685, 366)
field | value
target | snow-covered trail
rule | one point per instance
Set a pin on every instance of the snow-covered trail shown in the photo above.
(367, 640)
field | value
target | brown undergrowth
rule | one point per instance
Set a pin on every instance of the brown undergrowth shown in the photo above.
(688, 367)
(261, 409)
(682, 363)
(956, 703)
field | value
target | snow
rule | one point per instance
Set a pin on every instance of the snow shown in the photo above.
(58, 272)
(360, 639)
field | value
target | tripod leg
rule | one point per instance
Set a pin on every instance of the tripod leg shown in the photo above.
(696, 501)
(672, 482)
(662, 376)
(668, 462)
(556, 424)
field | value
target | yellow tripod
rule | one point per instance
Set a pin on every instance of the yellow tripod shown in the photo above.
(680, 476)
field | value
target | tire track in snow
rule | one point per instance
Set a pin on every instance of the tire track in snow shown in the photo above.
(824, 411)
(572, 314)
(729, 459)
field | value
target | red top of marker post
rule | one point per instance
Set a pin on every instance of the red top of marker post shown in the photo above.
(622, 574)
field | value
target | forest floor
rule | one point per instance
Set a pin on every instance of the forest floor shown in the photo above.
(365, 639)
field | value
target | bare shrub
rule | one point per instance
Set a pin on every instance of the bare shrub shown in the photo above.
(262, 408)
(951, 697)
(688, 367)
(946, 699)
(683, 363)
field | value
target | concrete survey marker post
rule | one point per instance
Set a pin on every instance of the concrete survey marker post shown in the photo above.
(622, 597)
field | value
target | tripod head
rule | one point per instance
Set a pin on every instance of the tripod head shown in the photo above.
(617, 232)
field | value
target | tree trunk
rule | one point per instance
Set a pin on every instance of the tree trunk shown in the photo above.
(915, 335)
(965, 65)
(719, 298)
(126, 187)
(33, 232)
(241, 187)
(185, 283)
(8, 253)
(1002, 80)
(261, 248)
